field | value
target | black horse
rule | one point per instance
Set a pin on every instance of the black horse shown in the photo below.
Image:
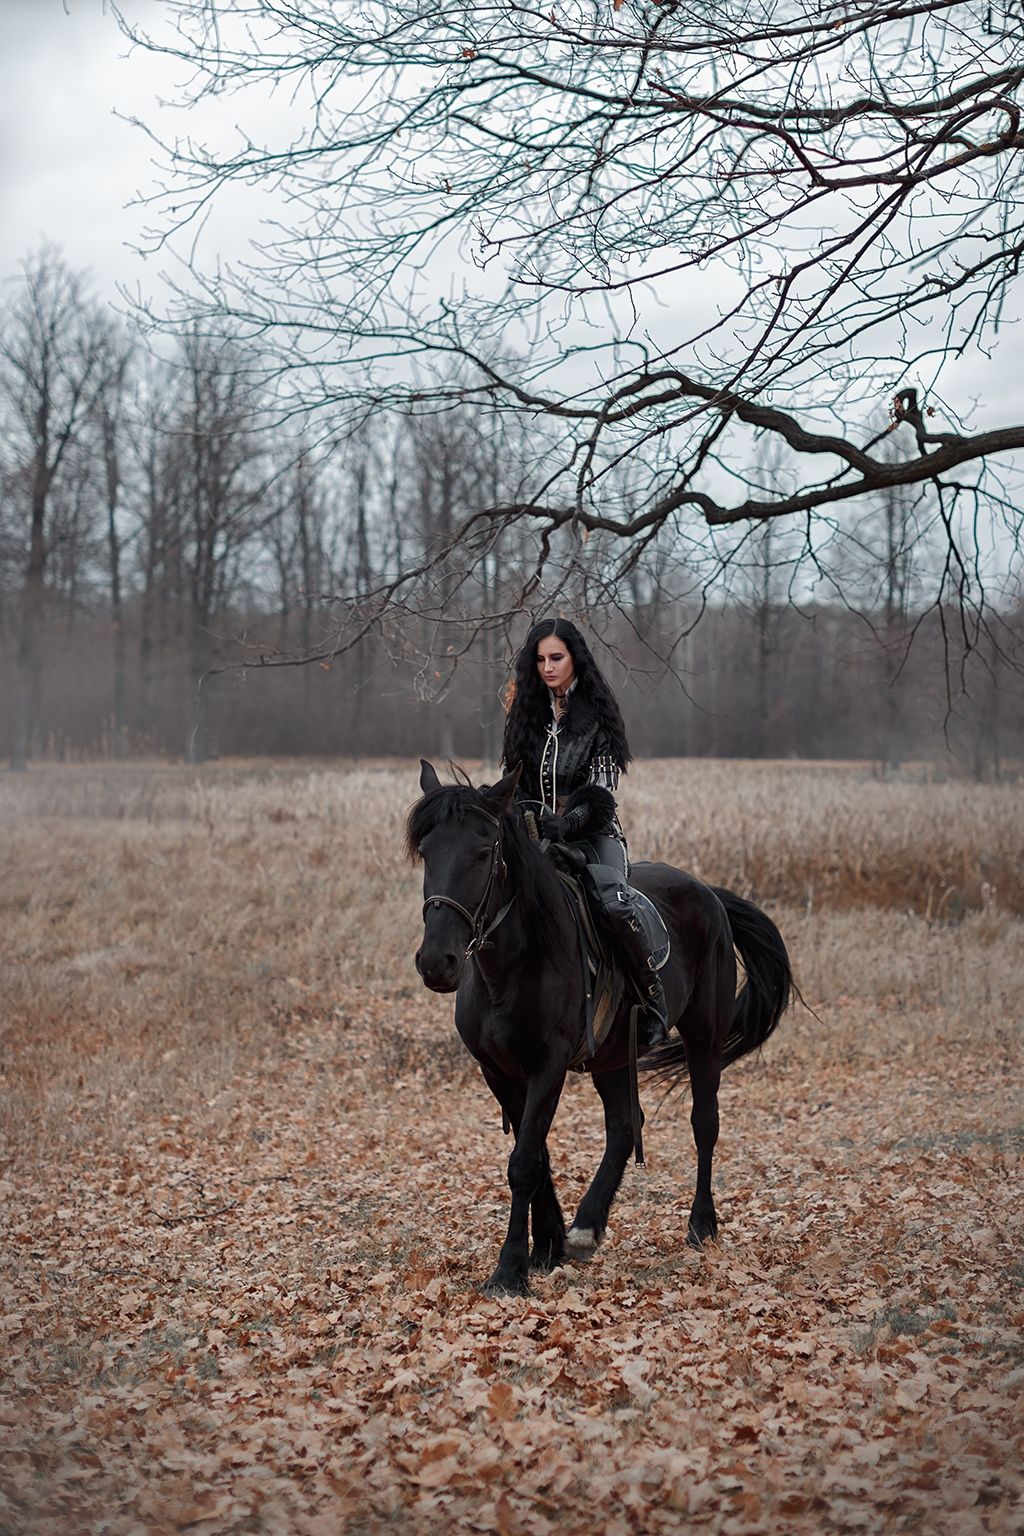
(498, 931)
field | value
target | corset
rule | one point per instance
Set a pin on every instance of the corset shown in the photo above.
(563, 761)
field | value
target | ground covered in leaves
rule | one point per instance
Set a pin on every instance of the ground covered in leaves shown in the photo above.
(239, 1280)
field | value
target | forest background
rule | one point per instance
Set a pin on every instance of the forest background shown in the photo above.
(195, 497)
(180, 557)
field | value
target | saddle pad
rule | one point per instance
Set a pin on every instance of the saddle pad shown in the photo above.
(604, 984)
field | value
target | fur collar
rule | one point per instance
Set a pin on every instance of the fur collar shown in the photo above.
(580, 718)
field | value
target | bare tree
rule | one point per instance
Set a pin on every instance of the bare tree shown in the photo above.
(155, 472)
(675, 227)
(898, 506)
(55, 364)
(208, 499)
(111, 406)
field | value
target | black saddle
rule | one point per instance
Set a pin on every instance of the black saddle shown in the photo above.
(602, 883)
(605, 979)
(599, 882)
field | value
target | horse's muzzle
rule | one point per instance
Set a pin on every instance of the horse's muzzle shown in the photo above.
(441, 972)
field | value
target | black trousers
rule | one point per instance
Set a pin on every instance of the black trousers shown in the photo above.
(617, 900)
(603, 848)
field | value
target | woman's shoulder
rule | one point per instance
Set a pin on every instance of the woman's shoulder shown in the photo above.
(603, 733)
(583, 717)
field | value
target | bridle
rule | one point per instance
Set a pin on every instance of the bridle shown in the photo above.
(481, 934)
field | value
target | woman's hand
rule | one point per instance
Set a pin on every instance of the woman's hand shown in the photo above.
(556, 829)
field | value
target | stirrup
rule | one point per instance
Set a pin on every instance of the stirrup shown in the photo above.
(652, 1021)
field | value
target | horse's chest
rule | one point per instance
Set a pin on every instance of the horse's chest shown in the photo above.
(502, 1037)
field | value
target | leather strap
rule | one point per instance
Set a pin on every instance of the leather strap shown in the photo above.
(634, 1089)
(480, 938)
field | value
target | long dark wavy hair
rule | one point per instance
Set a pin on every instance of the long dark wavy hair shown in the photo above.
(529, 713)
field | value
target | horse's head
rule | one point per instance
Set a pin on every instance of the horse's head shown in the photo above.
(456, 830)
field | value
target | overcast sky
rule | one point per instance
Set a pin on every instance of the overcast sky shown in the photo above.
(69, 167)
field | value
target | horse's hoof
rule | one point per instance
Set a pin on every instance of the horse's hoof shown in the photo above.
(506, 1285)
(582, 1243)
(699, 1234)
(545, 1260)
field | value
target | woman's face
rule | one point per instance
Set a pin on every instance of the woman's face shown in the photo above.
(555, 664)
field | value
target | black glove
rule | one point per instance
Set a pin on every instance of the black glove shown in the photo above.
(555, 828)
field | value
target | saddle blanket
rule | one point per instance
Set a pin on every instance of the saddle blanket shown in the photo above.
(604, 980)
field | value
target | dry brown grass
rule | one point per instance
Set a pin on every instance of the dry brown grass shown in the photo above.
(160, 924)
(834, 835)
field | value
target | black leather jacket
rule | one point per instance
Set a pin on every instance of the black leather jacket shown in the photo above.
(573, 756)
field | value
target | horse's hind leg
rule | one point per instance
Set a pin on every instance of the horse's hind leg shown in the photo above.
(588, 1229)
(703, 1028)
(705, 1074)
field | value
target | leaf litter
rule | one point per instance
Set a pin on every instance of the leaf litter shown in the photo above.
(279, 1327)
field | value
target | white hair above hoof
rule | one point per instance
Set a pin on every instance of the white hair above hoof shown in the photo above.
(582, 1242)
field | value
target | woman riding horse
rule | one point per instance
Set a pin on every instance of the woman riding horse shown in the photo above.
(566, 729)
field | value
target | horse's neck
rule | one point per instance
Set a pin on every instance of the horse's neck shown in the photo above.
(513, 960)
(509, 945)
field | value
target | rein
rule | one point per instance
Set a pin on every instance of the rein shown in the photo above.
(481, 934)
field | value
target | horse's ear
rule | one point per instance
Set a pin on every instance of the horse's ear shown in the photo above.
(428, 778)
(500, 795)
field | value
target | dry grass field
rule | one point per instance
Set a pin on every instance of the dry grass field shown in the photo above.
(250, 1182)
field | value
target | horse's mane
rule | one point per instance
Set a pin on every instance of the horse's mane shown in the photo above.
(540, 896)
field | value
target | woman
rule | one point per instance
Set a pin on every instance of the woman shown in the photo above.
(565, 727)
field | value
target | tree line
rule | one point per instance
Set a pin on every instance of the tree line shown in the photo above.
(188, 569)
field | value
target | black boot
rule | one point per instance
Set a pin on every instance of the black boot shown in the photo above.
(618, 907)
(652, 1022)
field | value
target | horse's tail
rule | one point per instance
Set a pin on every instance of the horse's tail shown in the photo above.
(769, 987)
(762, 1000)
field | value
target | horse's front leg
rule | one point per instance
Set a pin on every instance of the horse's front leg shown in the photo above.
(529, 1179)
(546, 1220)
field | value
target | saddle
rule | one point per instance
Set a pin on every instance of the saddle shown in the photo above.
(605, 979)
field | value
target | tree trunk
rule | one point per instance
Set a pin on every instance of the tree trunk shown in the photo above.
(310, 578)
(28, 686)
(199, 740)
(113, 483)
